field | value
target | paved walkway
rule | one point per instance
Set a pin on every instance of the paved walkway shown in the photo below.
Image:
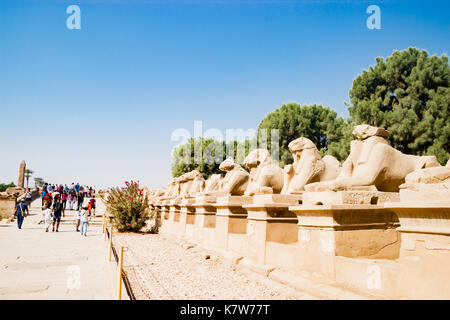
(54, 265)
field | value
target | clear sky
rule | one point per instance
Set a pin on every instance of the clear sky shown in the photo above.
(98, 105)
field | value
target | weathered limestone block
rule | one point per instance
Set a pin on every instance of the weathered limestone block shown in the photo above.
(231, 223)
(425, 185)
(271, 232)
(424, 260)
(352, 231)
(267, 177)
(21, 179)
(365, 195)
(187, 218)
(205, 220)
(308, 166)
(7, 204)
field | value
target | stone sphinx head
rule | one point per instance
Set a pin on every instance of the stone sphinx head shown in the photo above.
(258, 157)
(364, 131)
(227, 165)
(265, 176)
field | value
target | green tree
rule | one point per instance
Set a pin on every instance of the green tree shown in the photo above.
(39, 182)
(408, 94)
(4, 186)
(28, 174)
(210, 153)
(319, 124)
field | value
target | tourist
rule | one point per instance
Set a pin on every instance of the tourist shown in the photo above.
(28, 198)
(80, 199)
(49, 188)
(48, 199)
(84, 219)
(71, 199)
(43, 193)
(47, 213)
(64, 199)
(77, 220)
(92, 204)
(21, 209)
(77, 187)
(58, 210)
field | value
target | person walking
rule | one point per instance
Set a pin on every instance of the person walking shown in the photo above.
(57, 212)
(80, 200)
(92, 203)
(77, 220)
(71, 199)
(21, 209)
(84, 219)
(64, 199)
(43, 193)
(47, 213)
(28, 198)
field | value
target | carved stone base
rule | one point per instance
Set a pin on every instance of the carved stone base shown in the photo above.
(272, 230)
(349, 197)
(231, 223)
(424, 263)
(354, 231)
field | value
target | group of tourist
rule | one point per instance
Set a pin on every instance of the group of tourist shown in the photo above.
(54, 205)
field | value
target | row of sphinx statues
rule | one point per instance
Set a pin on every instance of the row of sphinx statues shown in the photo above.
(373, 164)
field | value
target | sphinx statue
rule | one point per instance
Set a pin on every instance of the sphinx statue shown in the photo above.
(266, 177)
(172, 189)
(235, 181)
(308, 166)
(428, 184)
(212, 184)
(197, 183)
(373, 164)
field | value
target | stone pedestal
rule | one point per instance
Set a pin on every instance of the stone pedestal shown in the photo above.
(165, 222)
(272, 230)
(424, 262)
(174, 216)
(187, 218)
(205, 220)
(349, 197)
(231, 223)
(353, 231)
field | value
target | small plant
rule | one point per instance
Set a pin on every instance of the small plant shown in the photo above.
(128, 206)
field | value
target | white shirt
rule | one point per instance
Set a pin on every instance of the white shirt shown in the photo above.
(78, 216)
(47, 214)
(84, 215)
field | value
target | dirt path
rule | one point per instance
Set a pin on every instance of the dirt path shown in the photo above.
(160, 268)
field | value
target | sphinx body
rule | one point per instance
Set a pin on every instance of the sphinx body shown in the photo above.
(235, 181)
(212, 184)
(308, 166)
(373, 162)
(266, 177)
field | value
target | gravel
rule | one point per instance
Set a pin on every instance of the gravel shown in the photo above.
(160, 268)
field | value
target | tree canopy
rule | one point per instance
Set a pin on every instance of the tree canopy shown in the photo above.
(319, 124)
(210, 153)
(408, 94)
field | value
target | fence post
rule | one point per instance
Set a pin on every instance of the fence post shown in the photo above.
(119, 283)
(110, 243)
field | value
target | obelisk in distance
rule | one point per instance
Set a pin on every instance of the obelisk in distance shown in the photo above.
(21, 181)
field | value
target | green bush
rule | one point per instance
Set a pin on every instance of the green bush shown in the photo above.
(3, 186)
(128, 206)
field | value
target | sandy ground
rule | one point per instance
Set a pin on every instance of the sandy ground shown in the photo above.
(39, 265)
(161, 268)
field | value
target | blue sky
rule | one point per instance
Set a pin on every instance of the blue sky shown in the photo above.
(98, 105)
